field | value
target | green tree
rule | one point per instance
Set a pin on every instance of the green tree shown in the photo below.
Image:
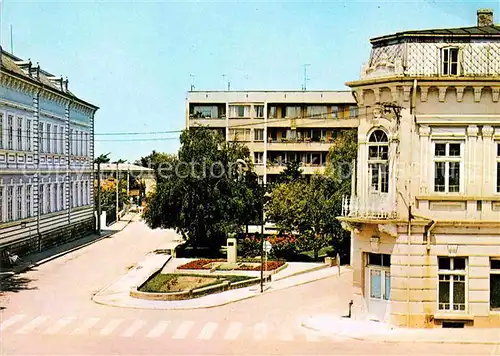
(291, 173)
(159, 162)
(310, 209)
(205, 194)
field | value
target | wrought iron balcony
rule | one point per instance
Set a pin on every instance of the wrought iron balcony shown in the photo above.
(375, 207)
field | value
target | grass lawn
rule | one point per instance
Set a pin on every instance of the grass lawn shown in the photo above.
(172, 282)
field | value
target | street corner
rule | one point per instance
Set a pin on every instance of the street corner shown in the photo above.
(336, 325)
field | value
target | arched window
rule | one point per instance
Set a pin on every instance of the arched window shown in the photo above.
(378, 161)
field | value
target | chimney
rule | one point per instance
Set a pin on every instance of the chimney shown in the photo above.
(484, 17)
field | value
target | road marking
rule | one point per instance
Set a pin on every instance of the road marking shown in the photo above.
(136, 325)
(10, 321)
(260, 331)
(32, 325)
(159, 329)
(233, 331)
(87, 325)
(183, 330)
(208, 331)
(61, 323)
(285, 334)
(110, 327)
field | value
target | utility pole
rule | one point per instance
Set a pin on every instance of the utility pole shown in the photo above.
(101, 159)
(192, 81)
(117, 182)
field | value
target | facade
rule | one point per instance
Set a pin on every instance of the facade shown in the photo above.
(131, 172)
(277, 126)
(425, 217)
(46, 154)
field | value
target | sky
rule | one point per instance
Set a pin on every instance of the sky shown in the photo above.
(136, 60)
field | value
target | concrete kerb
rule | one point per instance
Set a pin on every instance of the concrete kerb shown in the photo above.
(398, 335)
(163, 305)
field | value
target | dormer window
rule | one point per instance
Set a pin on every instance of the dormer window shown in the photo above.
(378, 161)
(449, 57)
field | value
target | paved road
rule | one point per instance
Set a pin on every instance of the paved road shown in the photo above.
(49, 312)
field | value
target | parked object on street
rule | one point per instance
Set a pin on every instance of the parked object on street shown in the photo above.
(9, 258)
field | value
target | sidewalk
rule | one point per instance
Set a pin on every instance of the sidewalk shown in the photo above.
(36, 259)
(331, 321)
(118, 293)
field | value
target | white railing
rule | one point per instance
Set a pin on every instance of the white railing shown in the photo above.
(374, 207)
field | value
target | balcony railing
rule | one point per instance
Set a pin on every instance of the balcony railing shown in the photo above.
(374, 207)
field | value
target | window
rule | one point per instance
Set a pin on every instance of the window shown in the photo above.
(449, 58)
(239, 134)
(259, 111)
(81, 143)
(28, 201)
(204, 112)
(451, 285)
(28, 135)
(258, 157)
(10, 132)
(71, 144)
(272, 112)
(292, 112)
(41, 196)
(498, 167)
(447, 161)
(1, 204)
(335, 112)
(42, 142)
(61, 139)
(378, 161)
(61, 196)
(48, 199)
(495, 284)
(316, 112)
(19, 133)
(239, 111)
(86, 142)
(353, 112)
(19, 202)
(1, 135)
(48, 139)
(258, 134)
(55, 146)
(380, 276)
(10, 203)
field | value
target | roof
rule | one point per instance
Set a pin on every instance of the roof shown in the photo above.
(492, 31)
(19, 68)
(123, 167)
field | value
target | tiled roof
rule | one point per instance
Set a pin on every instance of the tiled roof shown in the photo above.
(492, 31)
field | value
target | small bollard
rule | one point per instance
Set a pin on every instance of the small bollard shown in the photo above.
(350, 306)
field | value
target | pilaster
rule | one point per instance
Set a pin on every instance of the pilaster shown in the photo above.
(425, 145)
(488, 166)
(471, 154)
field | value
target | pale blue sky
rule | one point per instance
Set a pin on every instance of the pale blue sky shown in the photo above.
(134, 59)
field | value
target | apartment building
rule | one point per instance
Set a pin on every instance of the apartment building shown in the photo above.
(277, 126)
(426, 214)
(46, 150)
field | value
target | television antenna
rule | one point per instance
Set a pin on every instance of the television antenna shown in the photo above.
(304, 85)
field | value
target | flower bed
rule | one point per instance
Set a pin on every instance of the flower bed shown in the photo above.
(207, 264)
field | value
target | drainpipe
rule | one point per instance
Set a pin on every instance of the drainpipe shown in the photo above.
(428, 229)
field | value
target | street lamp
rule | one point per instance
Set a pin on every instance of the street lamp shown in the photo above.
(101, 159)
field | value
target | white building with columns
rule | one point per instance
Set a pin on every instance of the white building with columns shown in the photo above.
(425, 214)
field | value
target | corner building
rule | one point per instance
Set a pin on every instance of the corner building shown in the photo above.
(46, 155)
(425, 217)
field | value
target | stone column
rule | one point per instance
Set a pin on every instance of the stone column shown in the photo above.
(471, 159)
(489, 165)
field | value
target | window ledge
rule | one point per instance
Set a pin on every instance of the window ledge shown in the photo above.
(450, 197)
(453, 316)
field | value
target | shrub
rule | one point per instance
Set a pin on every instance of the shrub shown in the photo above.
(249, 246)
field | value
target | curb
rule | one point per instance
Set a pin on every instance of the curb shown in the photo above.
(393, 340)
(207, 306)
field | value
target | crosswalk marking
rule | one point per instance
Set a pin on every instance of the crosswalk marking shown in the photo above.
(87, 325)
(59, 325)
(32, 325)
(208, 331)
(10, 321)
(110, 327)
(233, 331)
(183, 330)
(159, 329)
(285, 334)
(136, 326)
(260, 331)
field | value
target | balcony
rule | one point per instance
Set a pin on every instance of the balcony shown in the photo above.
(375, 206)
